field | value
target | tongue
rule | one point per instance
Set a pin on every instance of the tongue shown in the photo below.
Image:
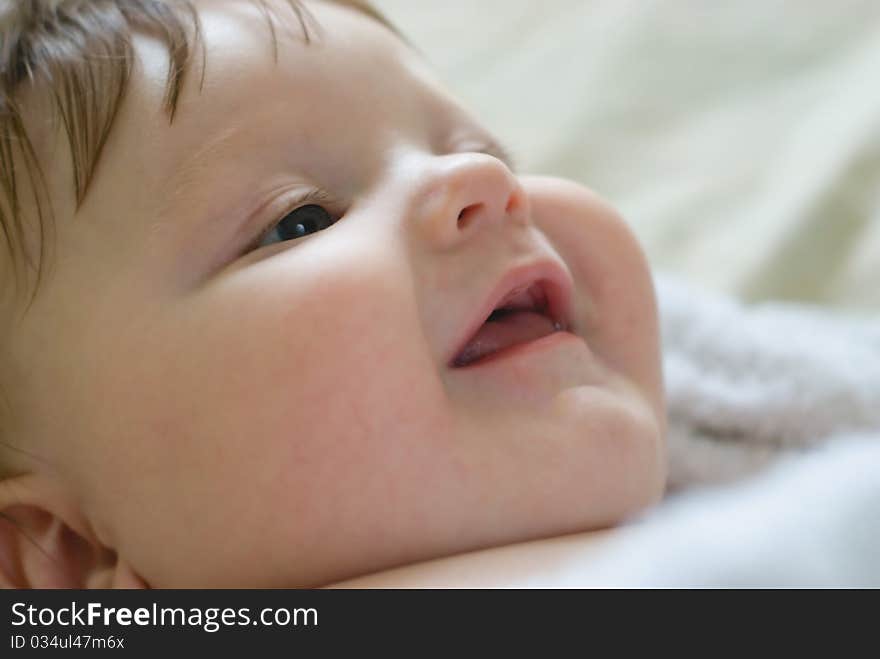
(515, 327)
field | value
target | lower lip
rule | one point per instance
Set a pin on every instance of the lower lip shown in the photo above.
(519, 350)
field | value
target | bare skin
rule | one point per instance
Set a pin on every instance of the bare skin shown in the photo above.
(545, 563)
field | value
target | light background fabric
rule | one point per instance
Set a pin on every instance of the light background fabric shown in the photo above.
(741, 140)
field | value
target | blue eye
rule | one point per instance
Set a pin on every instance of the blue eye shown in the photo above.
(298, 223)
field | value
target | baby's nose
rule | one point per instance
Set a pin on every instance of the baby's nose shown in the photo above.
(465, 194)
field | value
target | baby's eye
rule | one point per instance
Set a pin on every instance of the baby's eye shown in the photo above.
(298, 223)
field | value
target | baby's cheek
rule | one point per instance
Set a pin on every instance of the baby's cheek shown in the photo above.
(615, 307)
(345, 383)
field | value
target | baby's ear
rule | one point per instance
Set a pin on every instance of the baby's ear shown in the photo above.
(43, 543)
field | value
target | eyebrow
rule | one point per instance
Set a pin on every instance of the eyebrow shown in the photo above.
(223, 144)
(184, 175)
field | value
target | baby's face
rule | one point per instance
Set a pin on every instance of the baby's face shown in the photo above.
(292, 414)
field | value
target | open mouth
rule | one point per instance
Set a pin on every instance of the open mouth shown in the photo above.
(522, 316)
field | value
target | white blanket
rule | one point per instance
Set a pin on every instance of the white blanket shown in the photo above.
(813, 521)
(747, 383)
(781, 403)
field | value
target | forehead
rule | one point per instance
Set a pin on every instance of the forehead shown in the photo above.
(354, 81)
(349, 66)
(325, 36)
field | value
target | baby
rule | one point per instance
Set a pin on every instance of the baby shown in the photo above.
(277, 311)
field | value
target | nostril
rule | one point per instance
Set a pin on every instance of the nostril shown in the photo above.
(512, 204)
(467, 214)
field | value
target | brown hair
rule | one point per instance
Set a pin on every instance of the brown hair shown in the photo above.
(79, 54)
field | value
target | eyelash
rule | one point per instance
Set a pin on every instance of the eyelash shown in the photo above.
(314, 196)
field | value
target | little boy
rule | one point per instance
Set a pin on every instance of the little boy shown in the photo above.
(277, 312)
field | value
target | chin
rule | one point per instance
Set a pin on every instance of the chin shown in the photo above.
(621, 468)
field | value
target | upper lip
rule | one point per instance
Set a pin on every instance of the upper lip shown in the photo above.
(554, 280)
